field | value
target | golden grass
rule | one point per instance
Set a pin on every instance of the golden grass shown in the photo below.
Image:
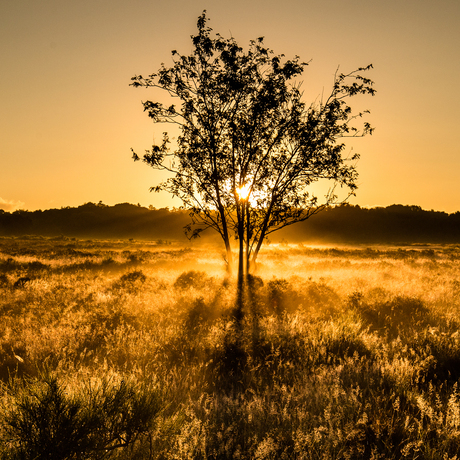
(341, 353)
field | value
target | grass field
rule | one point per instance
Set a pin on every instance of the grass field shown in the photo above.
(132, 350)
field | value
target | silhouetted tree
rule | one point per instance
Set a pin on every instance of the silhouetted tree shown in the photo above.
(249, 147)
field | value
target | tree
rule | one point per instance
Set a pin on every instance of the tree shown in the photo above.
(249, 147)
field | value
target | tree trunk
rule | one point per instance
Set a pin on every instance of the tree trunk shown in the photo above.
(241, 264)
(248, 238)
(240, 283)
(228, 250)
(263, 231)
(242, 270)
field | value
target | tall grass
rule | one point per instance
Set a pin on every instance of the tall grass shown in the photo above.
(131, 350)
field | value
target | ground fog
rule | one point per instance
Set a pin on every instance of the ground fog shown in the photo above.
(125, 349)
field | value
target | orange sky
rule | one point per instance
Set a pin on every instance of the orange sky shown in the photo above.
(68, 117)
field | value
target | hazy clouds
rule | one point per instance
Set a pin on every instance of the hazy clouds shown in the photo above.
(10, 205)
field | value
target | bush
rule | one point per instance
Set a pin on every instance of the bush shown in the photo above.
(399, 316)
(130, 281)
(45, 420)
(190, 279)
(21, 282)
(4, 282)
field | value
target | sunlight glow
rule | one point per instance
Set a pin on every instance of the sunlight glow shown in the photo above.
(243, 191)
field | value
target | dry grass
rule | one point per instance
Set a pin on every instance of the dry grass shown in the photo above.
(342, 353)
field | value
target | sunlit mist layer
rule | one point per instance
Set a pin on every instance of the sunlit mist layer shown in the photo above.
(135, 349)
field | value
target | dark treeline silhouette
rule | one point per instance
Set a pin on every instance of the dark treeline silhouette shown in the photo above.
(340, 224)
(393, 224)
(97, 221)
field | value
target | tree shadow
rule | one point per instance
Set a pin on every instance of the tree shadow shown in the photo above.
(232, 360)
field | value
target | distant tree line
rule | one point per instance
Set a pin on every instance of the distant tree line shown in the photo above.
(339, 224)
(391, 224)
(97, 221)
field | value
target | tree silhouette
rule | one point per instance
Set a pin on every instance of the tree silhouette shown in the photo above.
(249, 147)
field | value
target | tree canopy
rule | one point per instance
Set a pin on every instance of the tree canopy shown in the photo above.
(249, 146)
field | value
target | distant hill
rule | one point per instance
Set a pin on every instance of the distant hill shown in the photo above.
(396, 224)
(340, 224)
(97, 221)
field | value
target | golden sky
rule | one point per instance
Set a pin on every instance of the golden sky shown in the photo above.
(68, 116)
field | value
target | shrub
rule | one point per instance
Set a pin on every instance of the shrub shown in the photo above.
(130, 281)
(399, 316)
(280, 294)
(9, 265)
(21, 282)
(14, 362)
(190, 279)
(440, 353)
(46, 421)
(36, 266)
(4, 282)
(198, 316)
(321, 297)
(133, 277)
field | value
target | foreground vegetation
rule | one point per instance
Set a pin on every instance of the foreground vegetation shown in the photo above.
(130, 350)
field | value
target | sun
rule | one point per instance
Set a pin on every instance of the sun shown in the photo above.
(243, 191)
